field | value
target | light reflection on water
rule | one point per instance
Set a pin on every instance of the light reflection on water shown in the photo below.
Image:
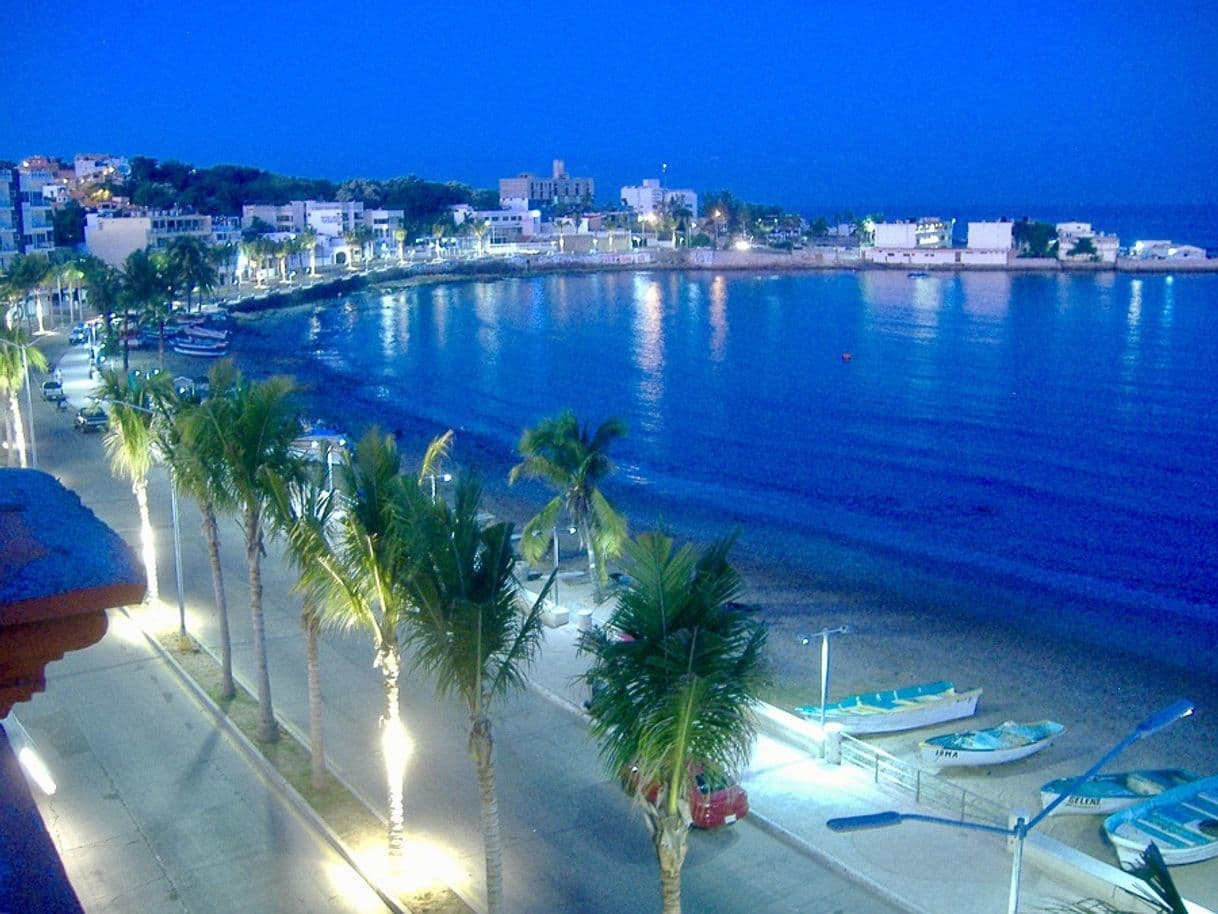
(1054, 430)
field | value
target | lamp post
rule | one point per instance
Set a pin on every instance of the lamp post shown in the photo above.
(824, 634)
(443, 477)
(1019, 831)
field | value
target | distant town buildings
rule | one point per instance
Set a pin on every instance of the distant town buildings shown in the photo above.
(112, 237)
(26, 226)
(1078, 241)
(1165, 250)
(991, 236)
(651, 199)
(95, 168)
(927, 232)
(528, 191)
(502, 225)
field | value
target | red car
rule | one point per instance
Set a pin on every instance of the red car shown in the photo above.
(713, 801)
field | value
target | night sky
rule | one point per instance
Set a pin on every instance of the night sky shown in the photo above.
(847, 104)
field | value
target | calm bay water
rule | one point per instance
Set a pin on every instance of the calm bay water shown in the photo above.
(1048, 440)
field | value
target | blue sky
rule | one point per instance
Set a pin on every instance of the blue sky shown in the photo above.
(867, 106)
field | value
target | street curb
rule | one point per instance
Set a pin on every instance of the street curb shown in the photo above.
(268, 772)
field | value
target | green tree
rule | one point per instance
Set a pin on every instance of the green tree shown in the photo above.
(195, 459)
(1083, 247)
(1035, 239)
(105, 287)
(145, 292)
(192, 266)
(69, 225)
(677, 690)
(361, 580)
(573, 462)
(251, 432)
(469, 633)
(131, 444)
(16, 358)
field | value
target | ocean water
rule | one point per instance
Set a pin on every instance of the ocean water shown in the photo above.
(1025, 443)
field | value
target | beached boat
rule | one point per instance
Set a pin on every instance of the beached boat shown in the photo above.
(898, 709)
(1182, 822)
(1007, 742)
(1106, 793)
(200, 347)
(917, 274)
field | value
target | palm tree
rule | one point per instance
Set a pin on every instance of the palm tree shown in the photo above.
(362, 582)
(193, 266)
(131, 444)
(16, 358)
(306, 243)
(105, 291)
(305, 513)
(563, 454)
(676, 690)
(251, 433)
(146, 290)
(468, 631)
(198, 470)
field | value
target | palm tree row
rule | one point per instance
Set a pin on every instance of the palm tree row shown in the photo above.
(428, 578)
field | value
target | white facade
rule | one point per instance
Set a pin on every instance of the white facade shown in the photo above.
(1069, 234)
(290, 217)
(35, 230)
(650, 199)
(990, 236)
(502, 225)
(8, 220)
(1165, 250)
(928, 232)
(935, 257)
(113, 237)
(100, 167)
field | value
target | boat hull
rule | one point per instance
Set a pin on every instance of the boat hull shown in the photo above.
(1109, 793)
(971, 749)
(1182, 822)
(901, 709)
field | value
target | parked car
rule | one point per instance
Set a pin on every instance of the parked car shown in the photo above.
(91, 419)
(52, 391)
(714, 801)
(79, 334)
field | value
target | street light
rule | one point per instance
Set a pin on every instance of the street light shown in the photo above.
(1019, 831)
(824, 634)
(554, 586)
(443, 477)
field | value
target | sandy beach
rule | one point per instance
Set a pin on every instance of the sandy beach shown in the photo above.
(1075, 673)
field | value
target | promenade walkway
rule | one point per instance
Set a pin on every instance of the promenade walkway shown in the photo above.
(920, 868)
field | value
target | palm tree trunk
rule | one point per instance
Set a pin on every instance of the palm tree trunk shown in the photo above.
(481, 747)
(268, 728)
(140, 489)
(8, 438)
(313, 671)
(18, 425)
(593, 571)
(393, 745)
(212, 533)
(670, 834)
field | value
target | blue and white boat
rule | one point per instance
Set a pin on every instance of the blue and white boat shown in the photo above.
(1007, 742)
(1106, 793)
(1182, 822)
(897, 709)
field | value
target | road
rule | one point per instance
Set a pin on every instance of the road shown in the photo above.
(572, 840)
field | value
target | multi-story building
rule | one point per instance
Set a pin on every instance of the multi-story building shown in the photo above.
(651, 199)
(8, 219)
(34, 226)
(560, 189)
(1079, 241)
(384, 224)
(288, 217)
(990, 236)
(332, 218)
(502, 225)
(112, 237)
(94, 168)
(927, 232)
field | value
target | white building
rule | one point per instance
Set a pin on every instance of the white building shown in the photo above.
(8, 219)
(385, 224)
(927, 232)
(90, 168)
(502, 225)
(650, 199)
(112, 237)
(990, 236)
(560, 189)
(289, 217)
(332, 218)
(1095, 246)
(1165, 250)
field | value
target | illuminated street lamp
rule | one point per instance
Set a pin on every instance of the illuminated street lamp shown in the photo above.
(443, 477)
(824, 634)
(554, 586)
(1019, 831)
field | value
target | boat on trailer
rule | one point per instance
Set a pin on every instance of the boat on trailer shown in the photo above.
(1008, 742)
(897, 709)
(1105, 794)
(1182, 823)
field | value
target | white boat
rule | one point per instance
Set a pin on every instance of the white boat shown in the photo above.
(1182, 822)
(199, 347)
(1106, 793)
(1007, 742)
(897, 709)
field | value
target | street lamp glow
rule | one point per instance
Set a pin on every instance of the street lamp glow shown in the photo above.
(1019, 831)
